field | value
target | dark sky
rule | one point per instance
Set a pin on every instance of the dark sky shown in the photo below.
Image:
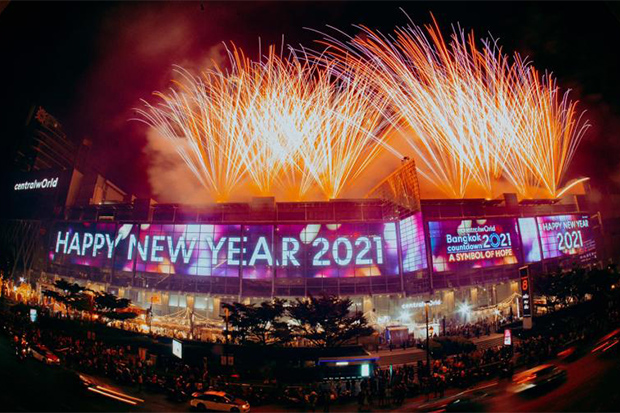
(89, 63)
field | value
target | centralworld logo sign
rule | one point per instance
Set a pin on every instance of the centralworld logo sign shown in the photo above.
(36, 184)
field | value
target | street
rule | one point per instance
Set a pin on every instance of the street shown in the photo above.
(32, 386)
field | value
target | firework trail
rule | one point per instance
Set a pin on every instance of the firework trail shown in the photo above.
(469, 115)
(278, 122)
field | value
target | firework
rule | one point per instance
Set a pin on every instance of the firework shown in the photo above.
(279, 122)
(469, 115)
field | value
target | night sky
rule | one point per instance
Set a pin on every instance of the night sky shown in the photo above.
(89, 64)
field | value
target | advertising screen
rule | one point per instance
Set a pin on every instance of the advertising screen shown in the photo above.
(83, 243)
(564, 235)
(336, 250)
(466, 244)
(530, 241)
(193, 249)
(258, 253)
(253, 251)
(413, 248)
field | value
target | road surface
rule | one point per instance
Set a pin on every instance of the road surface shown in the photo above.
(32, 386)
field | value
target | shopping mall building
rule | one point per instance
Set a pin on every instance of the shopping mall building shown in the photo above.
(390, 252)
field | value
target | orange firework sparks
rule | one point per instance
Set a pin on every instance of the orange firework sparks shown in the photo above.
(469, 115)
(279, 122)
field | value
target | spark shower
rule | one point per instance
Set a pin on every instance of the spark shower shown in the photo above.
(470, 115)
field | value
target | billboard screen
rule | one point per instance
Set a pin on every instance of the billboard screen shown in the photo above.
(83, 243)
(413, 248)
(564, 235)
(530, 241)
(467, 244)
(252, 251)
(336, 250)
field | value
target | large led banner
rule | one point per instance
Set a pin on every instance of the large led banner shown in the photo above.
(252, 251)
(563, 235)
(336, 250)
(84, 243)
(466, 244)
(412, 246)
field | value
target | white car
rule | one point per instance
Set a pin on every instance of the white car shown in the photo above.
(218, 401)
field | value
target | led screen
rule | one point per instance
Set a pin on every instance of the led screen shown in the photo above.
(83, 243)
(258, 252)
(194, 249)
(252, 251)
(466, 244)
(336, 250)
(529, 240)
(563, 235)
(412, 244)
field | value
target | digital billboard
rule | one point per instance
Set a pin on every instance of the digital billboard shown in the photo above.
(336, 250)
(412, 245)
(83, 243)
(565, 235)
(458, 245)
(530, 241)
(252, 251)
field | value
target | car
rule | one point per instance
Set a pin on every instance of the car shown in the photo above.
(537, 378)
(218, 401)
(44, 355)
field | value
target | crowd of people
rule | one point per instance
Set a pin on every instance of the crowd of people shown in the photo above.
(131, 366)
(469, 330)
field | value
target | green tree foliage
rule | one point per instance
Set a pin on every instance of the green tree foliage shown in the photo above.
(326, 321)
(260, 324)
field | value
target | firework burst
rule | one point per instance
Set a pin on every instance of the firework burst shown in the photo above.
(279, 122)
(469, 115)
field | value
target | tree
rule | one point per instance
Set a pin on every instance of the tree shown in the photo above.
(73, 296)
(326, 321)
(110, 306)
(258, 324)
(105, 302)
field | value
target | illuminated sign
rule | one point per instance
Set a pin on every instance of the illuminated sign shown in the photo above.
(564, 235)
(530, 241)
(466, 244)
(36, 184)
(420, 304)
(177, 348)
(313, 250)
(412, 245)
(507, 337)
(526, 291)
(33, 315)
(365, 370)
(336, 250)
